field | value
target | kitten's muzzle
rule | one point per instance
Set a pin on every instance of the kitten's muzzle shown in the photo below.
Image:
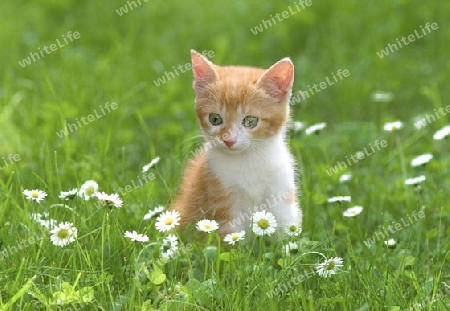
(229, 143)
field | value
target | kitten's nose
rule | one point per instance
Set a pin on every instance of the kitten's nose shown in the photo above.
(229, 143)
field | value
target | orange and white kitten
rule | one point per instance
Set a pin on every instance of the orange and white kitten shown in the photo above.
(245, 164)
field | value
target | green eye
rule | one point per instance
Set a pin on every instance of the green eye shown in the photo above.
(250, 121)
(215, 119)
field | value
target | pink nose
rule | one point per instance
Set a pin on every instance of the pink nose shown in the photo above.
(229, 143)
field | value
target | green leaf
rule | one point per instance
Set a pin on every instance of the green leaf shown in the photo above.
(229, 256)
(280, 262)
(157, 277)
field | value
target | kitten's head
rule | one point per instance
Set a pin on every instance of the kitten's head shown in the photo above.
(239, 107)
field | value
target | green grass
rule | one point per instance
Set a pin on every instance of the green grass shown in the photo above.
(117, 58)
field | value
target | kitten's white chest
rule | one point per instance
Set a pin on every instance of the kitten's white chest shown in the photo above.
(257, 180)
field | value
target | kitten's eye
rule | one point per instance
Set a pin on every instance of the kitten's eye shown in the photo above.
(250, 121)
(215, 119)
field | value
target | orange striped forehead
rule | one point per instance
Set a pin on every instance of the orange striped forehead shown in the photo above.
(236, 95)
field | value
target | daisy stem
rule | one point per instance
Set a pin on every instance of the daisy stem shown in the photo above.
(206, 269)
(261, 246)
(104, 239)
(185, 251)
(401, 155)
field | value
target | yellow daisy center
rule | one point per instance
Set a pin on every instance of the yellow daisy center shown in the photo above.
(168, 221)
(90, 191)
(207, 227)
(263, 223)
(63, 234)
(292, 228)
(35, 194)
(331, 265)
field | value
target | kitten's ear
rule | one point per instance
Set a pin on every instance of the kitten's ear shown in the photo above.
(277, 80)
(204, 72)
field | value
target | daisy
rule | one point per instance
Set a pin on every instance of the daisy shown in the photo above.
(296, 126)
(88, 189)
(353, 211)
(150, 165)
(43, 219)
(339, 199)
(382, 97)
(393, 126)
(329, 267)
(206, 225)
(442, 133)
(264, 223)
(134, 236)
(157, 210)
(63, 234)
(345, 177)
(421, 160)
(35, 195)
(68, 195)
(293, 230)
(167, 221)
(415, 180)
(170, 240)
(169, 247)
(111, 200)
(234, 237)
(316, 128)
(291, 248)
(391, 243)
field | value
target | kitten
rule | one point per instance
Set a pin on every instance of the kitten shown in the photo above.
(244, 165)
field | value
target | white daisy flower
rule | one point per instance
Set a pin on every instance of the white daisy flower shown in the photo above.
(167, 221)
(206, 225)
(296, 126)
(35, 195)
(421, 160)
(442, 133)
(63, 234)
(391, 243)
(109, 199)
(291, 248)
(393, 126)
(68, 195)
(415, 180)
(88, 189)
(293, 229)
(150, 165)
(157, 210)
(264, 223)
(43, 219)
(171, 240)
(345, 177)
(329, 267)
(382, 96)
(353, 211)
(234, 237)
(134, 236)
(339, 199)
(316, 128)
(169, 247)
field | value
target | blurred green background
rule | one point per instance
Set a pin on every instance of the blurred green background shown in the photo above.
(117, 58)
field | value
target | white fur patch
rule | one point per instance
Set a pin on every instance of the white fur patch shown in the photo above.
(257, 180)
